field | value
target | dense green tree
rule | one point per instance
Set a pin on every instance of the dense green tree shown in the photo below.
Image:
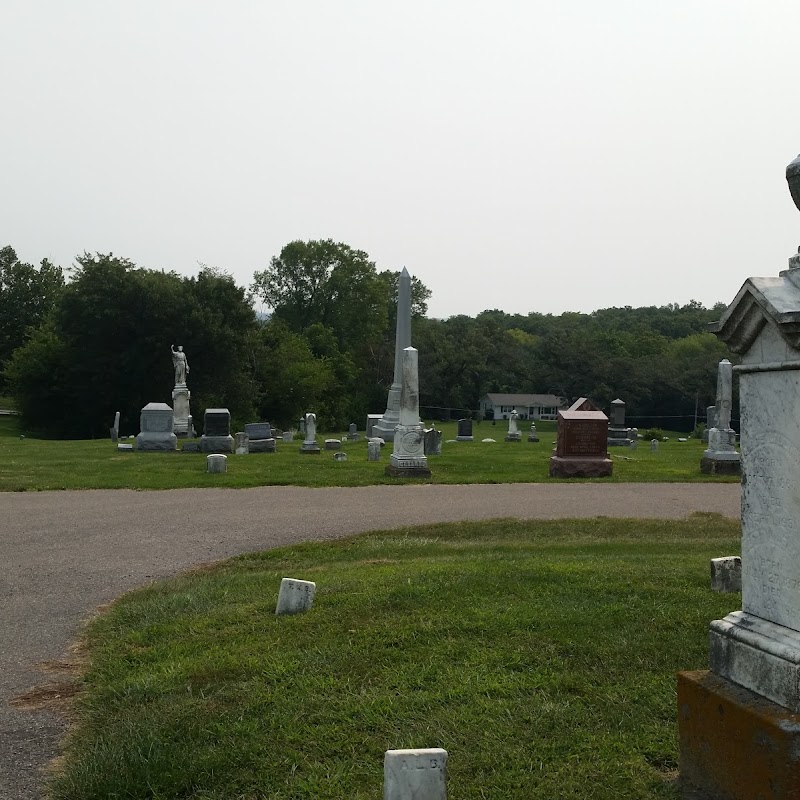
(107, 348)
(27, 295)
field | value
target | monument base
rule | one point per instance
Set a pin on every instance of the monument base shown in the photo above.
(514, 437)
(568, 467)
(710, 465)
(619, 442)
(407, 472)
(216, 444)
(262, 445)
(156, 442)
(465, 438)
(533, 438)
(759, 655)
(734, 744)
(310, 450)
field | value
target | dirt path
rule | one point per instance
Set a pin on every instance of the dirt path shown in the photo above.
(64, 553)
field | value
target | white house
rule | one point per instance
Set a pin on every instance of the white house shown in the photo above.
(528, 406)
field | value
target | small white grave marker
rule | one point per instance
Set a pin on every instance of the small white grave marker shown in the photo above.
(216, 462)
(726, 574)
(295, 596)
(415, 774)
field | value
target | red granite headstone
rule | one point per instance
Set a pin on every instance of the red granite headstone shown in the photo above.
(582, 446)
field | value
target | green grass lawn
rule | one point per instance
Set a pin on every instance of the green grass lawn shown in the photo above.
(541, 655)
(36, 464)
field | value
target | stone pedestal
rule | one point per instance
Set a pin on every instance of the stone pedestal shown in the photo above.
(721, 457)
(155, 423)
(735, 745)
(183, 416)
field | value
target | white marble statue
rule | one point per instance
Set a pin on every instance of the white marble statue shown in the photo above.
(181, 365)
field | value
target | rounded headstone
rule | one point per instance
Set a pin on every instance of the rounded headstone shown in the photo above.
(216, 462)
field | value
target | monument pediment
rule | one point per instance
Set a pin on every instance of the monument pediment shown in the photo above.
(759, 301)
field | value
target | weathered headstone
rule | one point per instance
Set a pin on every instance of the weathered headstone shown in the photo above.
(532, 435)
(216, 462)
(295, 596)
(260, 436)
(340, 456)
(385, 427)
(352, 433)
(288, 436)
(216, 436)
(124, 447)
(373, 450)
(114, 429)
(433, 442)
(408, 457)
(582, 443)
(617, 432)
(464, 433)
(415, 774)
(654, 445)
(333, 444)
(242, 443)
(372, 420)
(739, 722)
(513, 434)
(726, 574)
(721, 457)
(190, 447)
(711, 421)
(155, 425)
(309, 446)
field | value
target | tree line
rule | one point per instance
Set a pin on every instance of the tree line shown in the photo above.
(76, 348)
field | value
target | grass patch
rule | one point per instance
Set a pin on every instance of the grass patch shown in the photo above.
(35, 464)
(541, 655)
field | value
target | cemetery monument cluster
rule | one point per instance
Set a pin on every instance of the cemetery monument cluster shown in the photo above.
(739, 721)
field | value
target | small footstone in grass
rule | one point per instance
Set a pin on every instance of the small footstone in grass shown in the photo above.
(125, 448)
(726, 574)
(340, 456)
(415, 774)
(488, 440)
(295, 596)
(216, 462)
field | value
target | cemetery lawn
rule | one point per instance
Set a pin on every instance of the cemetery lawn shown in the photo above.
(541, 655)
(31, 464)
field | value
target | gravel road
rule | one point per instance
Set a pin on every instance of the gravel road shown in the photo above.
(64, 553)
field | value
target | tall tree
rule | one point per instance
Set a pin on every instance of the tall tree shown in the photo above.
(27, 295)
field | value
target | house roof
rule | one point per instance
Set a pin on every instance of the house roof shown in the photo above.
(524, 400)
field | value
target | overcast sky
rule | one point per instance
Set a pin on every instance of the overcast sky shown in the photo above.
(527, 156)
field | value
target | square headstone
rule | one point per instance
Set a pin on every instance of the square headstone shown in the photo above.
(295, 596)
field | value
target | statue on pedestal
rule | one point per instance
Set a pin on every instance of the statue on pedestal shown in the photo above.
(181, 365)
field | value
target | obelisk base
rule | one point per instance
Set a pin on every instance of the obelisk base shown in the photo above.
(734, 744)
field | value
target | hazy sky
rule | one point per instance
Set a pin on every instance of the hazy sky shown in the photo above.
(528, 156)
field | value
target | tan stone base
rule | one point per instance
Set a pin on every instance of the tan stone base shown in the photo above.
(580, 467)
(733, 743)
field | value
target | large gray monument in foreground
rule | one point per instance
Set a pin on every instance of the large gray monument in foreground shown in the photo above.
(739, 723)
(384, 428)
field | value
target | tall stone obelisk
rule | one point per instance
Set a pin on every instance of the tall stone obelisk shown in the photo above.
(391, 417)
(408, 459)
